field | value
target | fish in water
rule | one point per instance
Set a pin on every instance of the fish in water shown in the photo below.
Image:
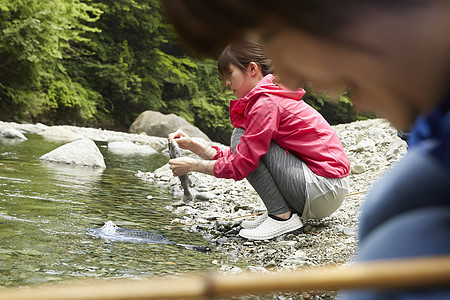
(174, 152)
(111, 231)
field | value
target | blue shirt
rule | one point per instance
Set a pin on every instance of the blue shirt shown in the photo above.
(432, 133)
(407, 212)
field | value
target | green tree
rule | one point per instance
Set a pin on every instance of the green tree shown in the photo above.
(201, 101)
(35, 39)
(334, 111)
(130, 65)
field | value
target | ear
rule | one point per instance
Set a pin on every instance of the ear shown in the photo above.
(253, 68)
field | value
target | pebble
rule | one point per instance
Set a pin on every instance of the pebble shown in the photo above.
(204, 196)
(350, 231)
(358, 168)
(287, 243)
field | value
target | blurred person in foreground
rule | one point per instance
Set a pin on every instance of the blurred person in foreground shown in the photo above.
(393, 57)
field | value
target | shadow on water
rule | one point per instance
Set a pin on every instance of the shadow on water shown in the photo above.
(46, 210)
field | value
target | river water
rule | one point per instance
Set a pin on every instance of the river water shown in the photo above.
(46, 210)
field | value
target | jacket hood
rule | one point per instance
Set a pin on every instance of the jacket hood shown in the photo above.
(265, 86)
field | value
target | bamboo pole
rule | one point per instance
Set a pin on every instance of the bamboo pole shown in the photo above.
(386, 274)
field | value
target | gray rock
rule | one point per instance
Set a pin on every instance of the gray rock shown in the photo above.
(12, 133)
(396, 147)
(358, 168)
(350, 231)
(222, 240)
(157, 124)
(366, 145)
(204, 196)
(59, 133)
(82, 152)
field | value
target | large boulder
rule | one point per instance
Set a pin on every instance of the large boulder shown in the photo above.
(82, 152)
(157, 124)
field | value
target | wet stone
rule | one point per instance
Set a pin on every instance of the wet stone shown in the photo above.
(221, 241)
(204, 196)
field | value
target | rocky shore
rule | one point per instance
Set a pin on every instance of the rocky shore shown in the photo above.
(220, 205)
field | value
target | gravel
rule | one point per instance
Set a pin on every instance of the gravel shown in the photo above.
(220, 205)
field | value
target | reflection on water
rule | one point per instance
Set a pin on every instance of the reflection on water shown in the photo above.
(46, 210)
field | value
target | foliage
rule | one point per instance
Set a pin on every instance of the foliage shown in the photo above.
(202, 103)
(102, 63)
(36, 38)
(335, 111)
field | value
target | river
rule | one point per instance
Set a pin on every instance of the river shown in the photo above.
(46, 210)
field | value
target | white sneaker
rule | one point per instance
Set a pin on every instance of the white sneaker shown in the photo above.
(251, 224)
(271, 228)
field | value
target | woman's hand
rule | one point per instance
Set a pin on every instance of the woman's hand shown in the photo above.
(183, 140)
(182, 165)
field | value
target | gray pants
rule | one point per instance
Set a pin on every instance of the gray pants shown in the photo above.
(279, 179)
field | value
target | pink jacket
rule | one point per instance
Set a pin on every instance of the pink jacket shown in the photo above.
(270, 112)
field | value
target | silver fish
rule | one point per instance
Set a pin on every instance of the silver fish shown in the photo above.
(174, 152)
(112, 232)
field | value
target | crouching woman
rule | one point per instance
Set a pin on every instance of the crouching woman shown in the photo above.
(286, 149)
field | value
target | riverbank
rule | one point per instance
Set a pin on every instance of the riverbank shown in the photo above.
(216, 212)
(219, 204)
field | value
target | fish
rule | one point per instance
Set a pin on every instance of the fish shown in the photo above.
(174, 152)
(112, 232)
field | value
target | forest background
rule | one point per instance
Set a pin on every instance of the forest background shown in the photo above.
(102, 63)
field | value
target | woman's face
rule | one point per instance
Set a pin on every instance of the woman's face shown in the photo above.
(240, 82)
(391, 74)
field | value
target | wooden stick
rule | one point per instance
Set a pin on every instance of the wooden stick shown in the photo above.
(387, 274)
(356, 193)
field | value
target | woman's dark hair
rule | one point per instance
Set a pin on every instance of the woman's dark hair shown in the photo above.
(241, 54)
(207, 26)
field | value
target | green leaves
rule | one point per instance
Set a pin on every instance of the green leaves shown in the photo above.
(36, 38)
